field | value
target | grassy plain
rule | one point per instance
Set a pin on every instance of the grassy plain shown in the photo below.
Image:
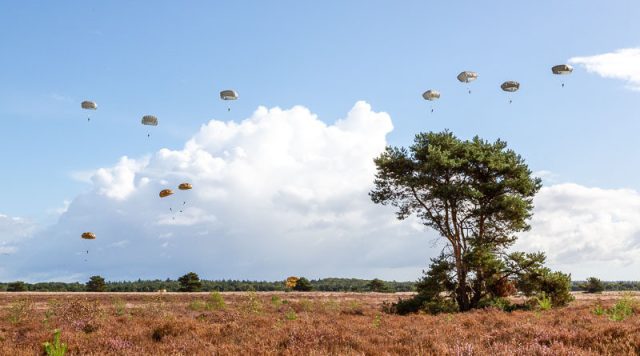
(303, 324)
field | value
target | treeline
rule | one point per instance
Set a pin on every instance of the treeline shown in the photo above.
(322, 285)
(610, 285)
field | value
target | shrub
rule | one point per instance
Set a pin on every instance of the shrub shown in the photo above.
(543, 302)
(621, 310)
(215, 301)
(377, 285)
(17, 286)
(96, 284)
(197, 305)
(19, 310)
(303, 285)
(593, 285)
(190, 282)
(56, 348)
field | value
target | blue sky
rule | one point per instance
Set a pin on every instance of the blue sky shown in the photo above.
(172, 58)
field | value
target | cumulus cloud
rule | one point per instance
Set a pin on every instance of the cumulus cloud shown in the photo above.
(622, 64)
(276, 194)
(13, 230)
(577, 225)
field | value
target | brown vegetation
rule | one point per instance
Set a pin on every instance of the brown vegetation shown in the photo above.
(299, 323)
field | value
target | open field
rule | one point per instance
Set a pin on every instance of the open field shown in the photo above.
(301, 323)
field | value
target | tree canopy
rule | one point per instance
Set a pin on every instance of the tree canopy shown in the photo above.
(478, 196)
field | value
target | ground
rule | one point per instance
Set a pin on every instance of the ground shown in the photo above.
(302, 324)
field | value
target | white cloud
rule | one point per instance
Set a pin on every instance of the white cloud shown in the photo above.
(577, 226)
(14, 230)
(622, 64)
(278, 193)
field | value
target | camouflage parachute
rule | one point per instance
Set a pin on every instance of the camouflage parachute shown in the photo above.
(150, 120)
(165, 193)
(88, 236)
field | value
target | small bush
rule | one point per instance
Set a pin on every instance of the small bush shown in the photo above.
(543, 302)
(253, 304)
(19, 310)
(197, 305)
(290, 314)
(215, 301)
(276, 301)
(120, 306)
(593, 285)
(621, 310)
(56, 348)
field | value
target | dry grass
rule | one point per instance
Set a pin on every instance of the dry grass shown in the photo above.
(300, 323)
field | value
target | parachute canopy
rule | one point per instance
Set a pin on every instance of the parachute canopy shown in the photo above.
(89, 105)
(562, 69)
(150, 120)
(88, 236)
(431, 95)
(185, 186)
(510, 86)
(228, 95)
(165, 193)
(467, 76)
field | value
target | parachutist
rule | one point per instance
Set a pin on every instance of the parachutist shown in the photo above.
(563, 85)
(148, 135)
(431, 110)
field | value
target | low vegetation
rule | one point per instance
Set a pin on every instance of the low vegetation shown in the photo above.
(296, 323)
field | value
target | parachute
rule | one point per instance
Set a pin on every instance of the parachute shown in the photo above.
(88, 236)
(431, 95)
(467, 77)
(510, 86)
(184, 186)
(165, 193)
(89, 105)
(228, 95)
(562, 69)
(149, 120)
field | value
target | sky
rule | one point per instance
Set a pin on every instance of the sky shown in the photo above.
(281, 179)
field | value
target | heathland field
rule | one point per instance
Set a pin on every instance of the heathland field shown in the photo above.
(306, 324)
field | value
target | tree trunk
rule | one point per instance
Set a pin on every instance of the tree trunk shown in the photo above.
(462, 297)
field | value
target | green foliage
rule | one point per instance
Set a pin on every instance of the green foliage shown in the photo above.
(190, 282)
(377, 320)
(197, 305)
(303, 285)
(96, 284)
(622, 309)
(276, 301)
(120, 306)
(593, 285)
(215, 302)
(599, 309)
(323, 285)
(56, 348)
(253, 304)
(19, 310)
(17, 286)
(543, 302)
(290, 314)
(555, 285)
(377, 285)
(478, 195)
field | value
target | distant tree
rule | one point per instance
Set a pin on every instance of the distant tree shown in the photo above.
(303, 285)
(190, 282)
(17, 286)
(593, 285)
(96, 284)
(478, 195)
(377, 285)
